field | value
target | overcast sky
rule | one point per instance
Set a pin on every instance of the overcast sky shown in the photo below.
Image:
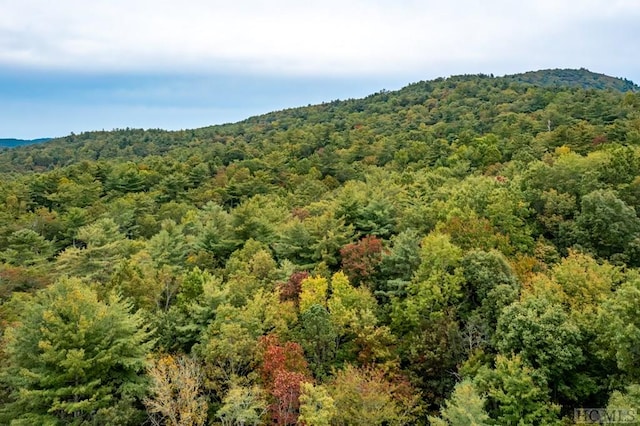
(78, 65)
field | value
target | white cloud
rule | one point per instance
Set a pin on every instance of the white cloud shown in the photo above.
(312, 37)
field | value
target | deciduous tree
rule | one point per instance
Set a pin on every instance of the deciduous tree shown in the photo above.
(176, 391)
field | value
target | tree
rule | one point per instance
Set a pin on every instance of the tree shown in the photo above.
(313, 292)
(606, 223)
(398, 264)
(490, 285)
(74, 359)
(425, 321)
(360, 260)
(26, 248)
(81, 193)
(317, 407)
(182, 326)
(230, 344)
(255, 218)
(169, 246)
(436, 284)
(355, 325)
(328, 235)
(350, 307)
(104, 245)
(283, 371)
(564, 331)
(293, 287)
(465, 407)
(365, 396)
(366, 207)
(213, 233)
(515, 394)
(547, 339)
(126, 177)
(624, 402)
(318, 338)
(285, 391)
(249, 269)
(620, 324)
(176, 386)
(243, 406)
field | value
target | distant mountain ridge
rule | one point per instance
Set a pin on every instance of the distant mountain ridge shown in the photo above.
(582, 78)
(12, 143)
(417, 92)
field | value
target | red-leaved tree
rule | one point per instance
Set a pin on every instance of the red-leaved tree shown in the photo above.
(360, 260)
(291, 289)
(283, 370)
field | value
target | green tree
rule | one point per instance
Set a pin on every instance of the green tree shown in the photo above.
(490, 285)
(169, 246)
(398, 264)
(243, 406)
(626, 400)
(425, 321)
(105, 245)
(82, 193)
(73, 359)
(619, 321)
(606, 224)
(436, 284)
(249, 269)
(515, 394)
(465, 407)
(26, 248)
(318, 338)
(229, 345)
(213, 232)
(181, 327)
(547, 339)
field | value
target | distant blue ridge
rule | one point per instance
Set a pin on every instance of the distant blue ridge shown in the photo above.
(12, 143)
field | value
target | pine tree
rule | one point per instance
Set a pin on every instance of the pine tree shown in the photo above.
(73, 359)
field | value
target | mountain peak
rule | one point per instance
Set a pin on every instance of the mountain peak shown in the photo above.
(582, 78)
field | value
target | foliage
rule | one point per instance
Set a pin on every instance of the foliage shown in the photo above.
(176, 385)
(360, 260)
(515, 395)
(73, 358)
(317, 407)
(464, 408)
(283, 371)
(243, 406)
(366, 396)
(313, 291)
(466, 227)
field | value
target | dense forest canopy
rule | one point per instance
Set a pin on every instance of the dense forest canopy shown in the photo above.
(574, 78)
(461, 251)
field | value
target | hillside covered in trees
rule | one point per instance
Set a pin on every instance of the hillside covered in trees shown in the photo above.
(461, 251)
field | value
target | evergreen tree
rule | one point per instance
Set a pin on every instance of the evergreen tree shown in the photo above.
(73, 359)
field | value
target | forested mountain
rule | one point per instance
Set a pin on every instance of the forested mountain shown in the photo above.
(12, 143)
(463, 248)
(574, 78)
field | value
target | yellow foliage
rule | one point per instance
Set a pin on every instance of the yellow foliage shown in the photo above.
(313, 292)
(176, 391)
(577, 282)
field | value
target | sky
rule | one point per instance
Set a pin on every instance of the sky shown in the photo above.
(77, 65)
